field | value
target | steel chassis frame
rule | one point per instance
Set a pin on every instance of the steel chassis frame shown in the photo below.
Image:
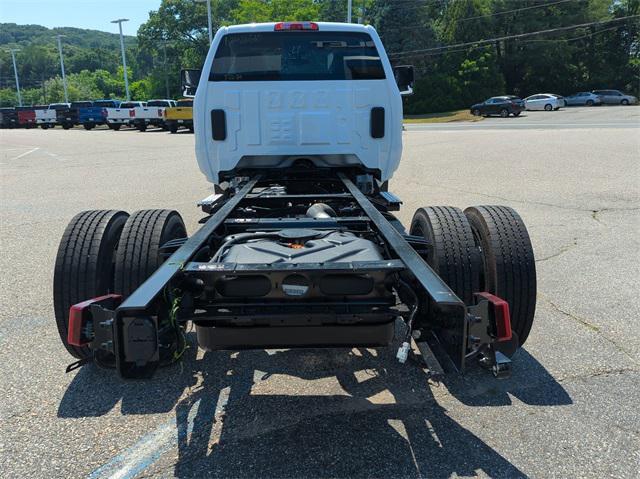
(446, 338)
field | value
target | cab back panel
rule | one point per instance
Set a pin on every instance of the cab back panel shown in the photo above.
(292, 115)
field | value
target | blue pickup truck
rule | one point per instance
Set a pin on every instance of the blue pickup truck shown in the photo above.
(85, 113)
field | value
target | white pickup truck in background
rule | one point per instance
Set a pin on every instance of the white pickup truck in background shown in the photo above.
(123, 115)
(45, 117)
(152, 114)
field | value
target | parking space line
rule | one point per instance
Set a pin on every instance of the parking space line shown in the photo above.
(25, 154)
(146, 451)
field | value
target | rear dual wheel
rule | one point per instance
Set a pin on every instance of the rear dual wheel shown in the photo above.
(509, 268)
(484, 248)
(108, 251)
(453, 256)
(84, 265)
(139, 252)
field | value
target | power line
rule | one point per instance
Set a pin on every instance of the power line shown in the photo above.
(504, 12)
(531, 41)
(508, 37)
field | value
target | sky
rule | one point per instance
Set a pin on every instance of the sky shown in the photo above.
(92, 14)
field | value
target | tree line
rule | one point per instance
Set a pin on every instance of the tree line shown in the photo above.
(463, 50)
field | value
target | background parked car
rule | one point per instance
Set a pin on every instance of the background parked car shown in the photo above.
(152, 114)
(563, 100)
(26, 116)
(45, 118)
(499, 105)
(615, 97)
(180, 115)
(583, 98)
(543, 101)
(123, 114)
(8, 118)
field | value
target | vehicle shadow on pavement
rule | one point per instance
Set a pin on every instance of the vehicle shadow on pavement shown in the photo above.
(386, 423)
(263, 414)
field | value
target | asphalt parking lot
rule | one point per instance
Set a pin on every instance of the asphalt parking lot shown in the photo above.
(569, 410)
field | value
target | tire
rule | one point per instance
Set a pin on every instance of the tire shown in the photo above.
(116, 127)
(516, 113)
(454, 255)
(624, 102)
(84, 265)
(87, 126)
(475, 112)
(548, 107)
(509, 268)
(589, 102)
(173, 129)
(504, 113)
(66, 127)
(142, 127)
(138, 253)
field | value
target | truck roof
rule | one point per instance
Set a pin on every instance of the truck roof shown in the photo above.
(322, 26)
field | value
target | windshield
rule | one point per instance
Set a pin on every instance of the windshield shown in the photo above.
(185, 103)
(287, 56)
(158, 103)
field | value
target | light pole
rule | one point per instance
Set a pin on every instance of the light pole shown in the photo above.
(209, 22)
(349, 11)
(15, 71)
(64, 78)
(124, 59)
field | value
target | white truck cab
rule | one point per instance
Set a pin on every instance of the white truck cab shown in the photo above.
(274, 94)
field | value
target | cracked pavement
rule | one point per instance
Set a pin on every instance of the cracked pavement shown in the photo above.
(569, 410)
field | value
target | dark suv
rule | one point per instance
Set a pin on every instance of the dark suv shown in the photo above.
(499, 105)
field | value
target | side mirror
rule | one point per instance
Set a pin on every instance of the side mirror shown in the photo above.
(404, 78)
(189, 82)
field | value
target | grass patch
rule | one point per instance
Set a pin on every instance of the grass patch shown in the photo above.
(445, 117)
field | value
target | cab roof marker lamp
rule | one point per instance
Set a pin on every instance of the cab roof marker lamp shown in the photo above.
(288, 26)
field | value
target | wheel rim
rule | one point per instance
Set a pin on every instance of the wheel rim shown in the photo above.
(504, 113)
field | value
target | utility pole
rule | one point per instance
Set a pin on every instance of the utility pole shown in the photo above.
(166, 74)
(15, 71)
(349, 2)
(124, 59)
(64, 78)
(209, 20)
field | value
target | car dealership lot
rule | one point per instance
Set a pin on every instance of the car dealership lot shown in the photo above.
(570, 409)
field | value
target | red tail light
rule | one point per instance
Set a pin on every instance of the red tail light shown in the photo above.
(160, 112)
(501, 315)
(104, 112)
(132, 113)
(284, 26)
(80, 317)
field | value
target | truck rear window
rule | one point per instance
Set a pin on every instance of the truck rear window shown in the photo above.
(290, 56)
(159, 103)
(81, 104)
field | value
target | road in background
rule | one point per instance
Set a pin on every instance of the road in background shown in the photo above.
(570, 409)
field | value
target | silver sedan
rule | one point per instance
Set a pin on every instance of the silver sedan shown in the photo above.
(583, 98)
